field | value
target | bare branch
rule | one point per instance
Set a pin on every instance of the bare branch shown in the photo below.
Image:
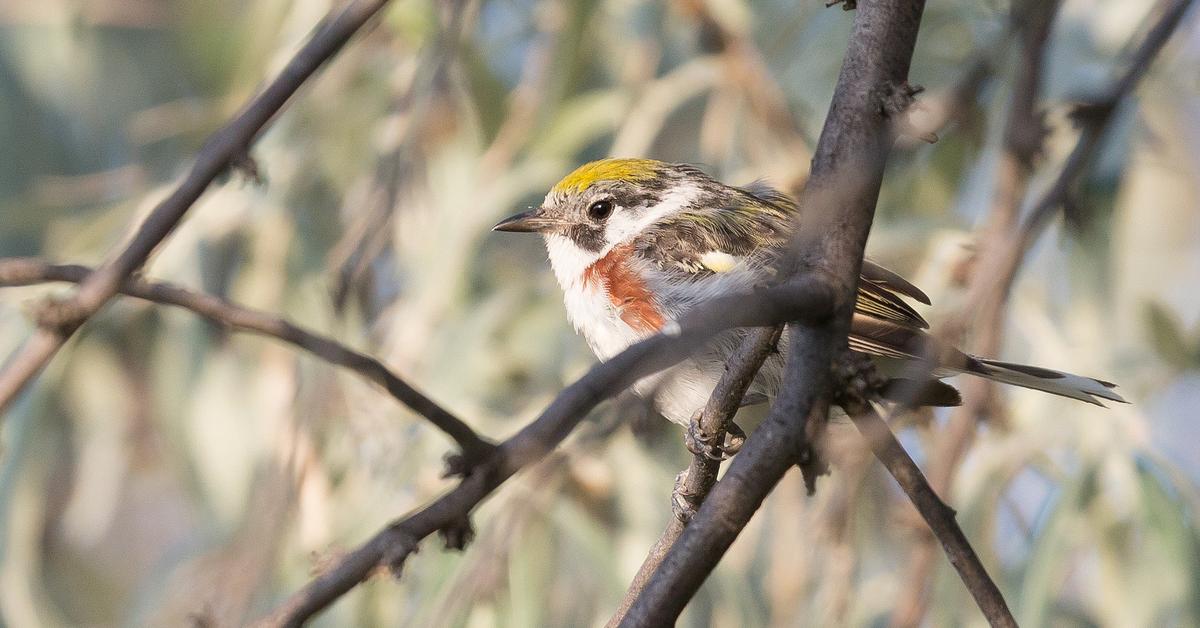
(28, 271)
(710, 426)
(859, 384)
(1094, 120)
(936, 513)
(807, 299)
(1005, 244)
(226, 148)
(1024, 133)
(840, 201)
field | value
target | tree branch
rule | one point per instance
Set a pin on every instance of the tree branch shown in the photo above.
(1006, 244)
(226, 148)
(936, 513)
(1024, 133)
(28, 271)
(839, 202)
(1094, 120)
(710, 426)
(807, 299)
(859, 384)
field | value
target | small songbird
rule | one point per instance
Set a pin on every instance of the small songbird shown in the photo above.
(635, 243)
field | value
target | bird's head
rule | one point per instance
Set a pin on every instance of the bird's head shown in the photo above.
(605, 203)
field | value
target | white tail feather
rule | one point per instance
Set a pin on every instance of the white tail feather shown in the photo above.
(1046, 380)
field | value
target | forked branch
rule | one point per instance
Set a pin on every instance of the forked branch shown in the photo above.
(839, 204)
(227, 148)
(807, 299)
(27, 271)
(709, 426)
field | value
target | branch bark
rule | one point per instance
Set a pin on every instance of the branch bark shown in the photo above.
(710, 426)
(839, 202)
(936, 513)
(808, 299)
(1024, 134)
(27, 271)
(1006, 244)
(225, 149)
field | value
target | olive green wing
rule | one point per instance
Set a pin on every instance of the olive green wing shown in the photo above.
(750, 226)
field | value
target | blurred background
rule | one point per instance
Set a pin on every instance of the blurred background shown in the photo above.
(166, 471)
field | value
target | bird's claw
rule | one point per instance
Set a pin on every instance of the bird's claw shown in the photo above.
(703, 445)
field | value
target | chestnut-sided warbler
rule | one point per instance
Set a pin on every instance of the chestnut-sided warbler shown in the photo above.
(635, 243)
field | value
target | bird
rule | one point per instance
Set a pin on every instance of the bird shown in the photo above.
(636, 243)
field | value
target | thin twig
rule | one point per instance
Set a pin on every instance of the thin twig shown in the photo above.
(226, 148)
(840, 201)
(1024, 135)
(698, 479)
(1094, 120)
(995, 276)
(807, 299)
(29, 271)
(936, 513)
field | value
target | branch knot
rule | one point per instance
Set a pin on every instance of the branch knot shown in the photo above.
(61, 315)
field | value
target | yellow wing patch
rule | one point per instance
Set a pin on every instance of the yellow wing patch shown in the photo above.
(719, 262)
(608, 170)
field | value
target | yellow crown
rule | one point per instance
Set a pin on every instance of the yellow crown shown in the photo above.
(612, 169)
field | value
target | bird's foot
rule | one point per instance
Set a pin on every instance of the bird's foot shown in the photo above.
(702, 444)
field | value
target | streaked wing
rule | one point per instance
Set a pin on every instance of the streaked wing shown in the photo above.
(893, 282)
(750, 225)
(879, 300)
(890, 339)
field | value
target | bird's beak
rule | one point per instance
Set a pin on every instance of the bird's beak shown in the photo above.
(532, 221)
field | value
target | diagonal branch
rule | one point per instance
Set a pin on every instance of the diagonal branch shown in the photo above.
(807, 299)
(1094, 120)
(28, 271)
(710, 426)
(936, 513)
(228, 147)
(853, 398)
(839, 204)
(1005, 251)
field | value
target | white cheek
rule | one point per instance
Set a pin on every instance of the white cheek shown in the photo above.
(624, 225)
(621, 226)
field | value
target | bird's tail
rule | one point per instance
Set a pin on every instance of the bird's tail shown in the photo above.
(1046, 380)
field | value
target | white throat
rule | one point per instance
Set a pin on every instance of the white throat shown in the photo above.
(568, 260)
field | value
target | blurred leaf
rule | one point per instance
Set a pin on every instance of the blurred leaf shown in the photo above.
(1171, 342)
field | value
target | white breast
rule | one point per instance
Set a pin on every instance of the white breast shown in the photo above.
(679, 391)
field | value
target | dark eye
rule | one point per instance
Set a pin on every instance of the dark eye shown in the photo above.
(600, 210)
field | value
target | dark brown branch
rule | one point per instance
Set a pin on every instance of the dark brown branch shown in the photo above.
(225, 149)
(1024, 134)
(839, 202)
(1005, 245)
(936, 513)
(28, 271)
(710, 426)
(807, 299)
